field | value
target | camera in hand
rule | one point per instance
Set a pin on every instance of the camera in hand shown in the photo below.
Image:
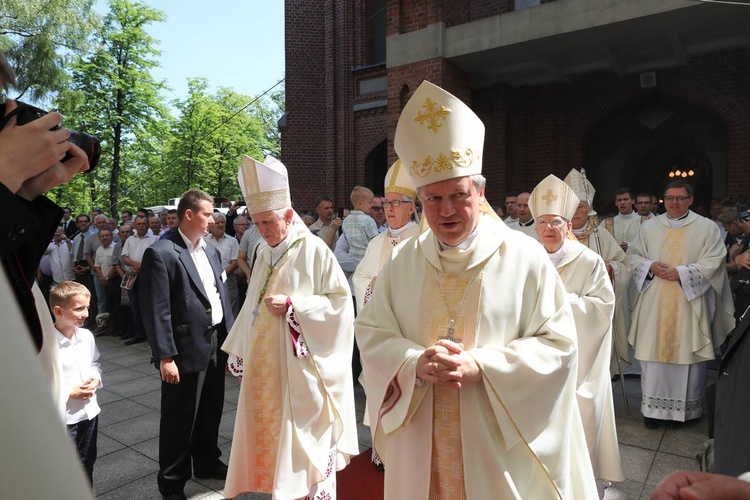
(26, 113)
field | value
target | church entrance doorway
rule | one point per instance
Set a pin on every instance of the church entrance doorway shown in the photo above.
(654, 140)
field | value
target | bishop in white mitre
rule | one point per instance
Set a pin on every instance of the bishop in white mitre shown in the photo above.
(592, 299)
(292, 345)
(588, 232)
(469, 395)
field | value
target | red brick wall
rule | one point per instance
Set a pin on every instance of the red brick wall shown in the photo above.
(303, 143)
(530, 131)
(535, 131)
(488, 8)
(324, 143)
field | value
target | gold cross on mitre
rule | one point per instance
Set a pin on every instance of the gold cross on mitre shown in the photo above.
(549, 197)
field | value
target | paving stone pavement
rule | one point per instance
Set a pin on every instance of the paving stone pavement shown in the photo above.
(128, 434)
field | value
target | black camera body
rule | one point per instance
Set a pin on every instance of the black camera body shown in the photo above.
(26, 113)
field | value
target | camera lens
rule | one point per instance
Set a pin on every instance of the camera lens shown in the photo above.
(89, 144)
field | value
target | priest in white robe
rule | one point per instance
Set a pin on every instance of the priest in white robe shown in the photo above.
(525, 221)
(592, 300)
(399, 204)
(683, 311)
(470, 396)
(588, 232)
(292, 345)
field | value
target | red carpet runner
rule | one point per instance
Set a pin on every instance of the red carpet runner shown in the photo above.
(360, 480)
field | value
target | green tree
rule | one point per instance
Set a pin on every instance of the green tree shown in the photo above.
(39, 36)
(113, 96)
(211, 135)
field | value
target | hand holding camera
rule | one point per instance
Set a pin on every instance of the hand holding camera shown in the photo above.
(36, 153)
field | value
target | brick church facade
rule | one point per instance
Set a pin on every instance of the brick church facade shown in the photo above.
(632, 91)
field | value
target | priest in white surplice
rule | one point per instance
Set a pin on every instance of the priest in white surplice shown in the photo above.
(292, 345)
(468, 345)
(525, 221)
(399, 211)
(592, 299)
(588, 232)
(684, 309)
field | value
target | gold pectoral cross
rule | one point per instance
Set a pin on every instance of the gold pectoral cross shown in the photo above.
(451, 329)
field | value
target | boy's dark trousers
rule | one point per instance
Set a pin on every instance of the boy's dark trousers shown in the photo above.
(84, 436)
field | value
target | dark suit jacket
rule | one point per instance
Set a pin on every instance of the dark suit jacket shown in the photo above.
(70, 228)
(174, 305)
(732, 414)
(24, 235)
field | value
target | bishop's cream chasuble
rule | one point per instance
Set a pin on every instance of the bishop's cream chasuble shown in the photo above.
(592, 301)
(294, 409)
(517, 433)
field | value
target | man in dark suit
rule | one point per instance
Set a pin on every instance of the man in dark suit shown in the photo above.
(732, 413)
(69, 225)
(187, 313)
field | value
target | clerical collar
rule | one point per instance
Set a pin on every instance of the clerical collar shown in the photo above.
(679, 218)
(281, 247)
(582, 229)
(631, 215)
(556, 257)
(395, 233)
(526, 224)
(464, 244)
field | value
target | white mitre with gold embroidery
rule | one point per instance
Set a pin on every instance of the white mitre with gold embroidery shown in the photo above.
(265, 186)
(553, 197)
(582, 187)
(398, 180)
(438, 137)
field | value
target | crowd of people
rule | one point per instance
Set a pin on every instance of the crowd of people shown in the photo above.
(471, 393)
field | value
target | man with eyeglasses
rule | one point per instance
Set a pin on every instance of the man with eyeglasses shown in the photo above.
(643, 205)
(683, 310)
(592, 300)
(377, 212)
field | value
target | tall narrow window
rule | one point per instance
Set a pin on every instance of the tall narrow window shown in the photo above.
(376, 29)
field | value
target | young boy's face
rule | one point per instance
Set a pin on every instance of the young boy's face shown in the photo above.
(74, 313)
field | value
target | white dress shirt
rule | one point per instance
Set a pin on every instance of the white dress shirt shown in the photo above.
(206, 272)
(78, 358)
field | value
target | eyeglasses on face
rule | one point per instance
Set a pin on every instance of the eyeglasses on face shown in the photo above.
(553, 223)
(679, 199)
(377, 208)
(395, 203)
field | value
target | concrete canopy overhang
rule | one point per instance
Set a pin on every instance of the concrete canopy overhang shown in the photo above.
(558, 40)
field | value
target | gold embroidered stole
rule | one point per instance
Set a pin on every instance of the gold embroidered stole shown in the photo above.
(672, 304)
(263, 391)
(447, 477)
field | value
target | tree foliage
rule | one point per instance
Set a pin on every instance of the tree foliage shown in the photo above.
(39, 37)
(148, 155)
(209, 138)
(113, 96)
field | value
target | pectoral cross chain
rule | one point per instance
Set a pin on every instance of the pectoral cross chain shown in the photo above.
(451, 329)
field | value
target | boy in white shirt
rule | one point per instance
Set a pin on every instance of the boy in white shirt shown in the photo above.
(81, 375)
